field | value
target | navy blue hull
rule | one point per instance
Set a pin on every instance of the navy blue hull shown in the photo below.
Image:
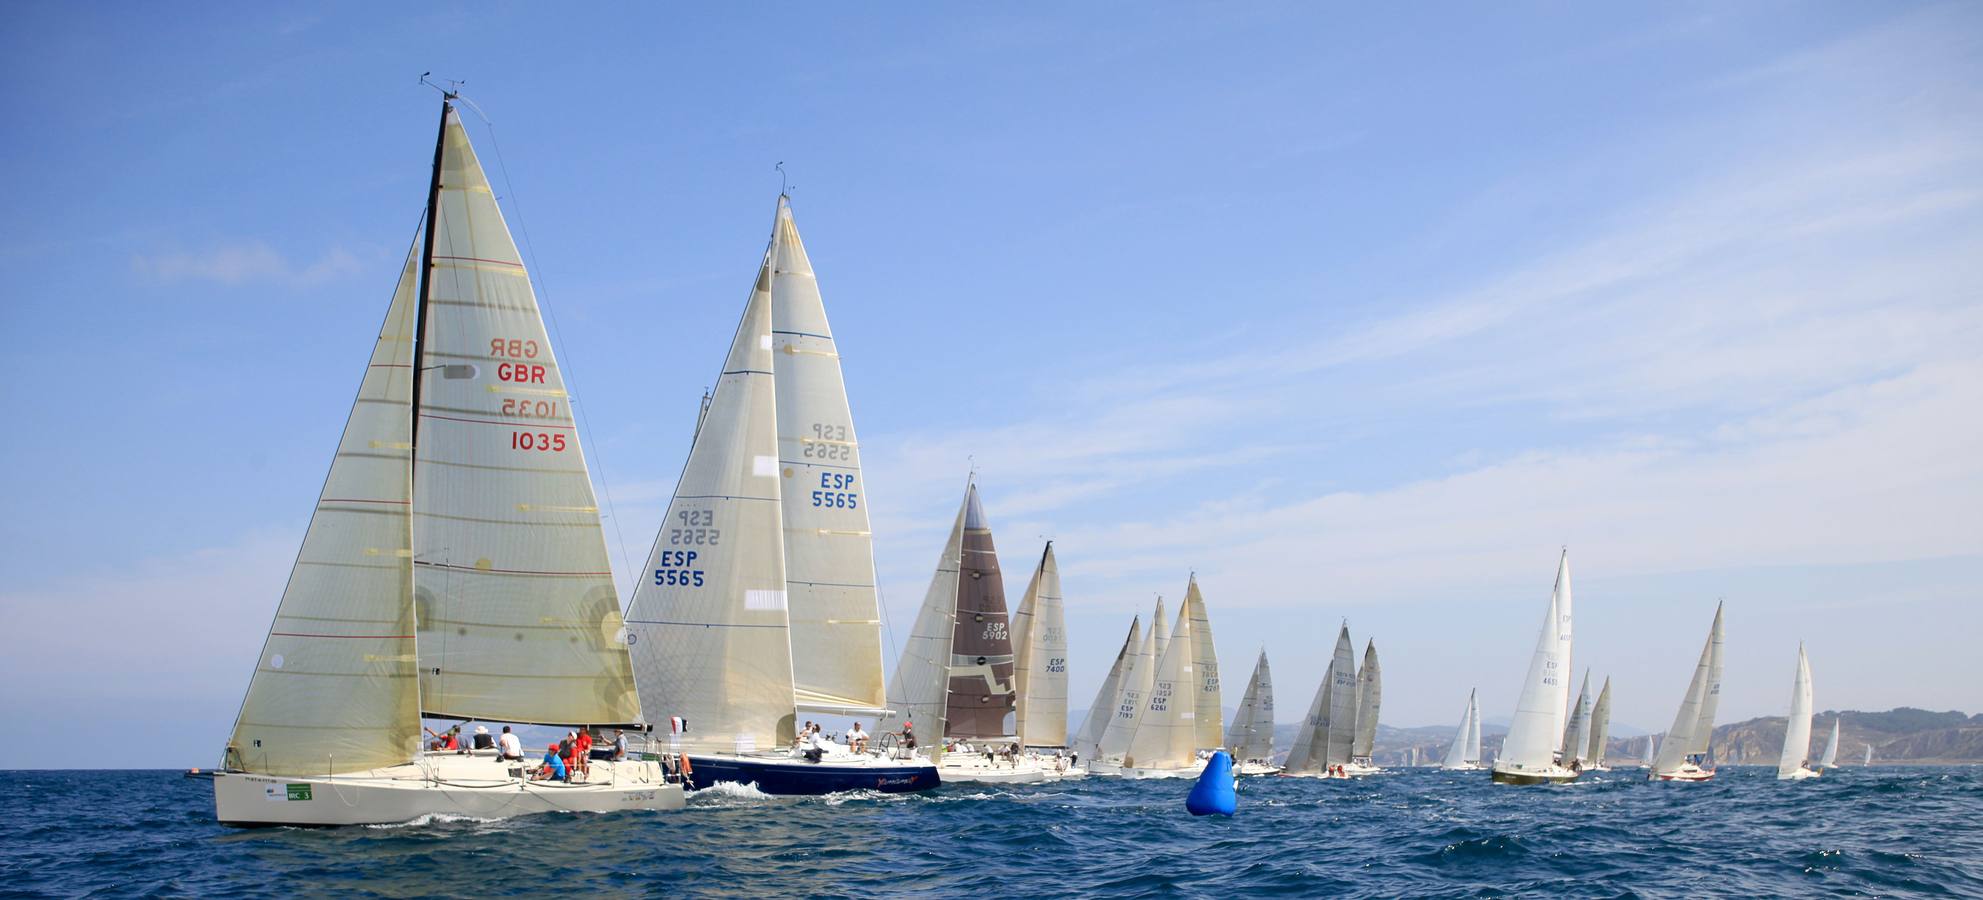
(804, 778)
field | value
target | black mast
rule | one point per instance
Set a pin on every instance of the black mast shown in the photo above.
(427, 271)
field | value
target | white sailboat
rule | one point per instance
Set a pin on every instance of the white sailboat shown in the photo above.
(1576, 734)
(1528, 753)
(711, 621)
(1322, 745)
(832, 604)
(454, 566)
(1369, 700)
(1830, 759)
(1869, 756)
(1652, 752)
(1464, 753)
(1792, 765)
(1137, 675)
(1087, 741)
(1166, 738)
(1039, 643)
(957, 668)
(1600, 731)
(1251, 737)
(1683, 755)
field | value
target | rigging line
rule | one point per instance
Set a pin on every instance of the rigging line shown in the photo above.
(569, 373)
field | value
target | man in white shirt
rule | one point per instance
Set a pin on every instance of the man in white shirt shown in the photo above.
(510, 746)
(857, 740)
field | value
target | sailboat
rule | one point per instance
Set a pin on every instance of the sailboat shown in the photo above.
(1039, 641)
(1869, 756)
(1683, 755)
(1652, 752)
(731, 587)
(1369, 699)
(1792, 765)
(1322, 745)
(1178, 712)
(1600, 731)
(1131, 692)
(1528, 753)
(1576, 735)
(956, 669)
(1464, 754)
(1251, 736)
(1087, 741)
(454, 566)
(1830, 758)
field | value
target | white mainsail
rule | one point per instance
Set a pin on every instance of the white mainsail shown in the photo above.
(1342, 702)
(1869, 756)
(1539, 713)
(1252, 733)
(1797, 728)
(1684, 738)
(1167, 734)
(1207, 704)
(917, 692)
(1311, 740)
(1830, 758)
(346, 616)
(1473, 731)
(829, 548)
(1576, 735)
(1087, 742)
(1711, 696)
(711, 640)
(1600, 726)
(1369, 700)
(1039, 641)
(1456, 755)
(518, 619)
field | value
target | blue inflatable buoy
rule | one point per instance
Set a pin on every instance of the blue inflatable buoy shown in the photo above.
(1213, 795)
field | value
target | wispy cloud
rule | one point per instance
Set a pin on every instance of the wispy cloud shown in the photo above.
(247, 262)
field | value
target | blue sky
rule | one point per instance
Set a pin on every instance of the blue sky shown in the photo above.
(1357, 312)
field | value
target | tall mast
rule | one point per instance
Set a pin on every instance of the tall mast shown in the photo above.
(427, 270)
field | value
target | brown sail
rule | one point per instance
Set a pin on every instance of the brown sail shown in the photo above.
(980, 691)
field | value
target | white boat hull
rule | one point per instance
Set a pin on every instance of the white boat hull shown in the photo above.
(1549, 774)
(1356, 769)
(1255, 767)
(974, 768)
(1800, 774)
(470, 786)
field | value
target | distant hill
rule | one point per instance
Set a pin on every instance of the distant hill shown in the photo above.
(1898, 736)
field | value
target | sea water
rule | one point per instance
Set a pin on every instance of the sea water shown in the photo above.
(1884, 831)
